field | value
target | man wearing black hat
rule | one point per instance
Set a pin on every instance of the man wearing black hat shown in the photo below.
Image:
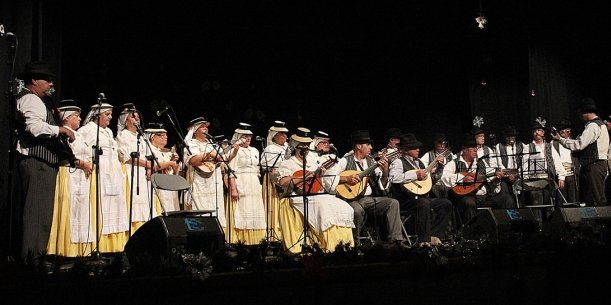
(440, 145)
(428, 228)
(468, 169)
(569, 162)
(392, 136)
(541, 164)
(37, 157)
(369, 201)
(508, 156)
(593, 147)
(483, 151)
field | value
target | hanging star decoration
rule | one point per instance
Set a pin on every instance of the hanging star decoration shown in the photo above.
(481, 21)
(478, 121)
(541, 121)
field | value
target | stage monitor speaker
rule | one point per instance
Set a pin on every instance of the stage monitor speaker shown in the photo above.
(159, 240)
(574, 219)
(501, 225)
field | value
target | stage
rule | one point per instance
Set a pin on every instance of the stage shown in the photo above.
(540, 270)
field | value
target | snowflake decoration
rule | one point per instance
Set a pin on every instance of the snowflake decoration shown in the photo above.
(481, 21)
(541, 121)
(478, 121)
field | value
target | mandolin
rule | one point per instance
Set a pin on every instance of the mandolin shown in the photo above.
(466, 188)
(350, 192)
(421, 187)
(312, 180)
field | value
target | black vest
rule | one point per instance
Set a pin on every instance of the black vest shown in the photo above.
(547, 151)
(397, 190)
(480, 169)
(505, 158)
(589, 154)
(39, 148)
(373, 179)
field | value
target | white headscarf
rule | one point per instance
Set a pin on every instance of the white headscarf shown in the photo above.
(95, 112)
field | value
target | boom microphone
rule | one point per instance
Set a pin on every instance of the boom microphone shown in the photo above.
(162, 111)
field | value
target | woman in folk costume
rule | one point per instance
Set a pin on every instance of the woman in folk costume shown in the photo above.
(204, 171)
(131, 143)
(167, 159)
(330, 219)
(73, 213)
(110, 198)
(271, 158)
(247, 214)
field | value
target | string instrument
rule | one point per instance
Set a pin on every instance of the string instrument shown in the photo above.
(466, 188)
(312, 180)
(350, 192)
(421, 187)
(206, 169)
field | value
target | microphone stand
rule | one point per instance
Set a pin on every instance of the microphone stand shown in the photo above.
(266, 172)
(154, 162)
(181, 141)
(10, 99)
(97, 151)
(230, 172)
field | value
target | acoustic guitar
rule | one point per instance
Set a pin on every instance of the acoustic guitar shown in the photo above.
(350, 192)
(312, 180)
(466, 188)
(421, 187)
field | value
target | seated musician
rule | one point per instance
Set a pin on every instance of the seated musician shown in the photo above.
(467, 176)
(544, 165)
(369, 188)
(508, 152)
(430, 216)
(438, 154)
(330, 217)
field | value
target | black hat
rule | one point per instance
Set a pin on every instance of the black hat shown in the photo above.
(36, 69)
(564, 124)
(539, 123)
(360, 137)
(128, 108)
(68, 105)
(302, 135)
(393, 133)
(510, 131)
(467, 140)
(587, 105)
(155, 128)
(199, 120)
(439, 138)
(243, 128)
(322, 135)
(409, 141)
(279, 126)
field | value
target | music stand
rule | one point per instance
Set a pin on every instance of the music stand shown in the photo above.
(304, 187)
(267, 170)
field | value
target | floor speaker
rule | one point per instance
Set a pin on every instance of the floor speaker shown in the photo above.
(499, 225)
(163, 238)
(576, 220)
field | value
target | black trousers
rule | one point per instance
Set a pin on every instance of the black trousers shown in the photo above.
(429, 217)
(36, 180)
(592, 183)
(467, 205)
(570, 191)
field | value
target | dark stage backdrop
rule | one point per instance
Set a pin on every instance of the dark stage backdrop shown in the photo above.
(422, 66)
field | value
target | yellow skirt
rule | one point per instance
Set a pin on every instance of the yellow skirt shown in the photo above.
(234, 235)
(135, 225)
(272, 202)
(60, 242)
(291, 222)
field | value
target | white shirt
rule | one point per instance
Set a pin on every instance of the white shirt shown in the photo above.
(592, 133)
(34, 112)
(343, 162)
(396, 173)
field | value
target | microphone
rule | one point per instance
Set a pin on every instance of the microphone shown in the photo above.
(333, 148)
(259, 138)
(162, 111)
(209, 136)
